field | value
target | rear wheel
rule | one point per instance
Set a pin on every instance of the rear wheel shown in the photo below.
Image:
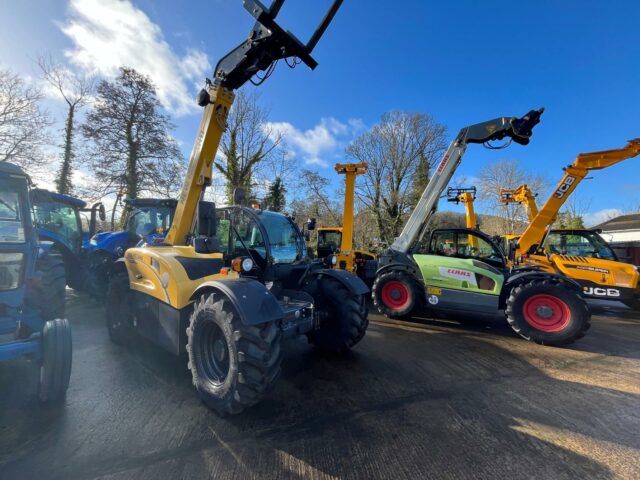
(232, 365)
(47, 295)
(342, 316)
(395, 294)
(55, 366)
(547, 312)
(119, 313)
(633, 303)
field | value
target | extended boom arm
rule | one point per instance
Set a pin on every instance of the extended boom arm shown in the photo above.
(535, 233)
(516, 129)
(266, 44)
(522, 195)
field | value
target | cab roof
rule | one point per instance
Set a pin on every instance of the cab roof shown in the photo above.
(7, 168)
(39, 195)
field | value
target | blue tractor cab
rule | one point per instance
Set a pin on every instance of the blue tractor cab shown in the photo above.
(59, 220)
(148, 221)
(32, 291)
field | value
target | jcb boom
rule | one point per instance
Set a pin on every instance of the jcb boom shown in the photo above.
(578, 254)
(229, 284)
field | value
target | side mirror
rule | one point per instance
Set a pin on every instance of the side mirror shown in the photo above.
(311, 224)
(239, 196)
(206, 219)
(102, 213)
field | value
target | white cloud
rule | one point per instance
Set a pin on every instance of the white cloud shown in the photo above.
(108, 34)
(594, 218)
(320, 144)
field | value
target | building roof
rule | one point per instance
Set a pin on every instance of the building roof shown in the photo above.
(623, 222)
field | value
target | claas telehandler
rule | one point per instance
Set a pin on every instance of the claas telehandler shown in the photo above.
(581, 255)
(464, 270)
(229, 284)
(338, 241)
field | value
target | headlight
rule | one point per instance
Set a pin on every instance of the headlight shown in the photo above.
(330, 260)
(247, 264)
(10, 270)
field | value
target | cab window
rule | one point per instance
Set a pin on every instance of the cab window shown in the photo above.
(246, 238)
(451, 243)
(58, 218)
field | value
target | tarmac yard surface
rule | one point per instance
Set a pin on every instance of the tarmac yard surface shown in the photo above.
(436, 399)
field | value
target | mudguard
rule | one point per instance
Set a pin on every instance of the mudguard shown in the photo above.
(353, 283)
(410, 269)
(251, 299)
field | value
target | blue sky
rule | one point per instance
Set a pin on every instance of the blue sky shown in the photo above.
(463, 62)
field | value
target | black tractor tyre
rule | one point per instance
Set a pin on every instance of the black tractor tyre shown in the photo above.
(48, 293)
(633, 303)
(118, 311)
(395, 294)
(55, 365)
(232, 365)
(342, 316)
(547, 312)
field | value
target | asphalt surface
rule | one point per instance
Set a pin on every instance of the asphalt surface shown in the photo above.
(430, 400)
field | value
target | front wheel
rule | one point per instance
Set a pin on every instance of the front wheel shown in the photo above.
(547, 312)
(342, 316)
(232, 365)
(55, 366)
(395, 294)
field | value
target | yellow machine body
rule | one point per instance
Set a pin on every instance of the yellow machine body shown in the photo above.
(601, 278)
(155, 271)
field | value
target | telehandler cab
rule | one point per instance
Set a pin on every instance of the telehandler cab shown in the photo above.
(339, 240)
(464, 270)
(231, 283)
(581, 255)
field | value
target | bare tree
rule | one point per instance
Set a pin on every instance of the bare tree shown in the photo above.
(315, 187)
(247, 141)
(131, 147)
(397, 148)
(507, 174)
(75, 90)
(23, 123)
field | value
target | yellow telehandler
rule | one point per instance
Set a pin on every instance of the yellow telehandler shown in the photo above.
(580, 254)
(338, 241)
(228, 284)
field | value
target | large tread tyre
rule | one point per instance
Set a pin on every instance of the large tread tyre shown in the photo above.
(633, 303)
(48, 294)
(395, 294)
(342, 316)
(55, 365)
(547, 312)
(232, 365)
(119, 314)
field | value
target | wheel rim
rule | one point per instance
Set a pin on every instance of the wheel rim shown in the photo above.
(395, 294)
(546, 313)
(213, 353)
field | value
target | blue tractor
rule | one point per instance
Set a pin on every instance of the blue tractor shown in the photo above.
(32, 291)
(60, 219)
(88, 253)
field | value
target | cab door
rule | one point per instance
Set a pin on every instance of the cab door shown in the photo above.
(462, 269)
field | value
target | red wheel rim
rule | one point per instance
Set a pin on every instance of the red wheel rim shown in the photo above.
(546, 313)
(395, 295)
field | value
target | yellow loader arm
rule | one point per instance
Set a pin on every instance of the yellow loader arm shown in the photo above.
(535, 233)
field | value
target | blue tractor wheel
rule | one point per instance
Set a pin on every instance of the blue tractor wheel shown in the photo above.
(55, 364)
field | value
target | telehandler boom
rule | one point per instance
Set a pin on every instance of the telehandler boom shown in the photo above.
(228, 284)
